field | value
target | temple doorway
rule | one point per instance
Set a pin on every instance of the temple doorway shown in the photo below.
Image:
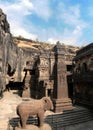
(70, 91)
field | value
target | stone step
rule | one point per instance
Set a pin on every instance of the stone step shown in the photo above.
(67, 118)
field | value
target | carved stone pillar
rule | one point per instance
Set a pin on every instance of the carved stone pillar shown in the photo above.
(46, 92)
(26, 91)
(60, 92)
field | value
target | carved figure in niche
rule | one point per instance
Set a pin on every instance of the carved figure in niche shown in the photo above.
(33, 107)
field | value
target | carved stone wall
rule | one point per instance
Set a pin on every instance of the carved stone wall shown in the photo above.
(83, 75)
(8, 52)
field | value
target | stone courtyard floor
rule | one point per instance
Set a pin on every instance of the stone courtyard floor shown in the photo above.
(82, 126)
(8, 110)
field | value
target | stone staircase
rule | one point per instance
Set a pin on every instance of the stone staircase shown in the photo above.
(60, 121)
(69, 118)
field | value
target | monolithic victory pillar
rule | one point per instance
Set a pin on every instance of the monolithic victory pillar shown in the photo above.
(60, 94)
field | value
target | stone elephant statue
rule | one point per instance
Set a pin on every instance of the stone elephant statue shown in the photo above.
(33, 107)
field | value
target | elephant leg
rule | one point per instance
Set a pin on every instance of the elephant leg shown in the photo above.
(19, 124)
(40, 117)
(23, 121)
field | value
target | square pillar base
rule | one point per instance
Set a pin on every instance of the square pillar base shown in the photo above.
(62, 104)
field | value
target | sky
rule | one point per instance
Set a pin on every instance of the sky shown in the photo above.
(67, 21)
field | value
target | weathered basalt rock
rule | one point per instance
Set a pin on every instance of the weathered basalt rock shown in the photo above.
(7, 51)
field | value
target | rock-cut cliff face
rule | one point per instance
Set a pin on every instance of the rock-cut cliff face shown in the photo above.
(7, 64)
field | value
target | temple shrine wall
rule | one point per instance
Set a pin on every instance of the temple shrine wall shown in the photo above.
(83, 75)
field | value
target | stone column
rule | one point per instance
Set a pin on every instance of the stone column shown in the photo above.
(60, 92)
(26, 91)
(46, 92)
